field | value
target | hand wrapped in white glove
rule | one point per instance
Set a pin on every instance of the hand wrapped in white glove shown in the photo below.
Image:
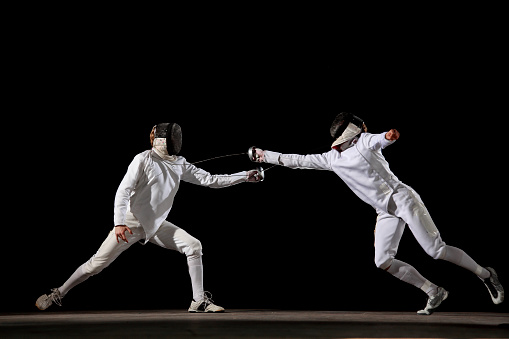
(254, 176)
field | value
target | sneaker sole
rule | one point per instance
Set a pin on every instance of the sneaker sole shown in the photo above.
(500, 298)
(497, 300)
(430, 311)
(205, 311)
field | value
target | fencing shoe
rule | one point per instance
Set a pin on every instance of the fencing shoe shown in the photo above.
(494, 286)
(205, 305)
(434, 302)
(45, 301)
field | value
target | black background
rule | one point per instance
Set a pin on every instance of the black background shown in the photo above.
(84, 96)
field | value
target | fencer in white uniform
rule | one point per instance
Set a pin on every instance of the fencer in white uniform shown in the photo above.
(356, 157)
(142, 204)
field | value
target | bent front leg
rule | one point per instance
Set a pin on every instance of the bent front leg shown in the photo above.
(389, 230)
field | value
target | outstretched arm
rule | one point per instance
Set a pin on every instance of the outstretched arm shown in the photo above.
(310, 161)
(201, 177)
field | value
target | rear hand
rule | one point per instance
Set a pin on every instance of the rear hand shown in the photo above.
(392, 135)
(120, 232)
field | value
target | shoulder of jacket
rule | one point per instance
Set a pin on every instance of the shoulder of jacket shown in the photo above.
(366, 135)
(142, 156)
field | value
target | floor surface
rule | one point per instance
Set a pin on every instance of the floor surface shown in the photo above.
(245, 323)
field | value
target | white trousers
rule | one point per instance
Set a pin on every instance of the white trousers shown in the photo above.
(168, 236)
(405, 207)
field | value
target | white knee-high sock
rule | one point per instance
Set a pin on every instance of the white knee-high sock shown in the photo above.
(409, 274)
(460, 258)
(76, 278)
(196, 272)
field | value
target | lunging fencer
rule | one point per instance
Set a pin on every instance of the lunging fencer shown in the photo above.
(142, 204)
(356, 157)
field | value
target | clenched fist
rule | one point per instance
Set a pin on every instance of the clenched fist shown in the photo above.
(392, 135)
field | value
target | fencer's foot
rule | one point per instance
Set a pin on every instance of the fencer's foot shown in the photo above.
(205, 305)
(45, 301)
(494, 286)
(434, 302)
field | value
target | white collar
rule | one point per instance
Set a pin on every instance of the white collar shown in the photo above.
(164, 156)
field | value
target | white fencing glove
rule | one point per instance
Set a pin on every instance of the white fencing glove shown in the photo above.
(254, 176)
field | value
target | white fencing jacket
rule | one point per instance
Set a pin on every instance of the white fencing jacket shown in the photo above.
(151, 183)
(362, 167)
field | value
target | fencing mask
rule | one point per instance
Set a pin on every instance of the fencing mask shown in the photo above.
(169, 134)
(345, 128)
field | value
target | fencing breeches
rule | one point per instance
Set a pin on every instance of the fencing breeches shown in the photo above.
(406, 207)
(168, 236)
